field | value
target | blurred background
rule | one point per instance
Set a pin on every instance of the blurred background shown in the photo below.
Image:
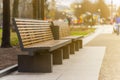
(80, 12)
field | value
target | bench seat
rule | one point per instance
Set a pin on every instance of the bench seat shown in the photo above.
(74, 38)
(48, 45)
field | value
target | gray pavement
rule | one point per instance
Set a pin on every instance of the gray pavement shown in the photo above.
(84, 65)
(110, 69)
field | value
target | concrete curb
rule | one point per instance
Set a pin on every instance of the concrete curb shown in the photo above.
(8, 70)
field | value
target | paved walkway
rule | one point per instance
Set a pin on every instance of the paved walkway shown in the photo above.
(101, 29)
(84, 65)
(110, 69)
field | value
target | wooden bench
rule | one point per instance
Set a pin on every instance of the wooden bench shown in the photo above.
(35, 36)
(61, 30)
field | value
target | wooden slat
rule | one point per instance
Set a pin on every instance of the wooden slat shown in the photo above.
(33, 28)
(41, 31)
(32, 23)
(36, 30)
(22, 34)
(35, 21)
(30, 20)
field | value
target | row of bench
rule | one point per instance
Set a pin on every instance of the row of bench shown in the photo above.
(46, 44)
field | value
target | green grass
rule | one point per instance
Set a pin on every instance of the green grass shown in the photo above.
(82, 31)
(13, 38)
(0, 35)
(0, 30)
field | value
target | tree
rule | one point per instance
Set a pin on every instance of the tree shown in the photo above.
(104, 10)
(6, 24)
(52, 9)
(15, 12)
(35, 9)
(38, 9)
(60, 15)
(87, 6)
(83, 7)
(25, 9)
(46, 9)
(41, 8)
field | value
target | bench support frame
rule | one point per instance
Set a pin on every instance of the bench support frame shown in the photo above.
(57, 56)
(36, 63)
(66, 52)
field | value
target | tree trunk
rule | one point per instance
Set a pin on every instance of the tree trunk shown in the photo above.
(35, 9)
(42, 13)
(6, 24)
(46, 10)
(38, 9)
(15, 12)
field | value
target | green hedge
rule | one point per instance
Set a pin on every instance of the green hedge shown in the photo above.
(82, 31)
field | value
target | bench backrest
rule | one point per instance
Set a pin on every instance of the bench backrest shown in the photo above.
(64, 29)
(32, 31)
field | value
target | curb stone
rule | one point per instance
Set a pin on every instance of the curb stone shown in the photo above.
(8, 70)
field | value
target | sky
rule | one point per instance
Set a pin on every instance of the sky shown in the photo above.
(68, 2)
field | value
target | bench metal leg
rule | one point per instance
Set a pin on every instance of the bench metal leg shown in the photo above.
(72, 48)
(80, 43)
(36, 63)
(66, 52)
(57, 56)
(77, 45)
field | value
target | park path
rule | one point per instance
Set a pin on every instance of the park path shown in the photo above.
(110, 69)
(85, 65)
